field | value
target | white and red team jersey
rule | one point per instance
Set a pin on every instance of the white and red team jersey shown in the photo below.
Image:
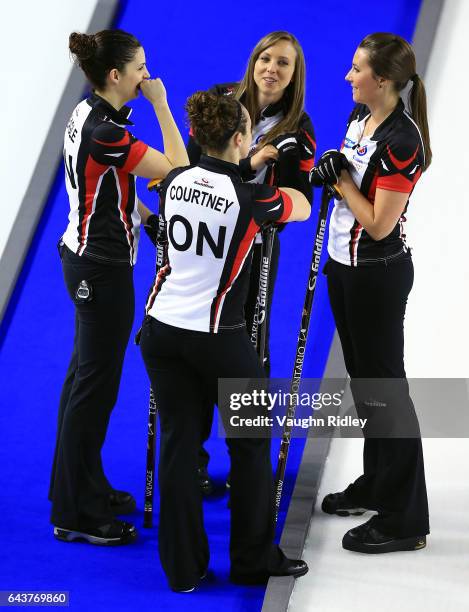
(99, 155)
(212, 218)
(391, 159)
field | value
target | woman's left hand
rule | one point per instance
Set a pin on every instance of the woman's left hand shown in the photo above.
(330, 166)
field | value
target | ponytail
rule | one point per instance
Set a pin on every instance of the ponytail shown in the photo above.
(418, 106)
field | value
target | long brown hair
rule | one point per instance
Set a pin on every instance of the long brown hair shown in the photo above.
(392, 57)
(293, 96)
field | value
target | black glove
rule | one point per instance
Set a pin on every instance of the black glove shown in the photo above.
(151, 228)
(328, 169)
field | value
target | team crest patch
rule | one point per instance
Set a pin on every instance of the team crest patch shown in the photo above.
(362, 150)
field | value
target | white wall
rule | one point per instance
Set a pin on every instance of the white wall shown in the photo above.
(34, 68)
(437, 323)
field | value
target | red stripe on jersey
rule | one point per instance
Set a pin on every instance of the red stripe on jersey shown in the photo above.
(243, 248)
(93, 173)
(159, 280)
(309, 138)
(400, 165)
(395, 182)
(137, 151)
(123, 180)
(287, 207)
(274, 197)
(306, 164)
(120, 143)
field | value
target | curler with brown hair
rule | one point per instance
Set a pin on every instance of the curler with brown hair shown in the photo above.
(214, 119)
(294, 95)
(392, 57)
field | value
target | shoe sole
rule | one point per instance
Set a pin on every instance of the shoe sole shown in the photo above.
(297, 575)
(347, 512)
(184, 590)
(68, 535)
(263, 579)
(399, 545)
(191, 589)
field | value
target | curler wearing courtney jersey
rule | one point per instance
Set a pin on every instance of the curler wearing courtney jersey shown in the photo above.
(195, 334)
(369, 276)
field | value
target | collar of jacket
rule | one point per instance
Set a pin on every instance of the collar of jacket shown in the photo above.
(120, 117)
(273, 109)
(214, 164)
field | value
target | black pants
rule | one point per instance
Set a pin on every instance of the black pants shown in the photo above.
(368, 304)
(249, 310)
(79, 490)
(184, 367)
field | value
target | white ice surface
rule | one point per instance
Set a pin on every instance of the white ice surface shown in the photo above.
(435, 579)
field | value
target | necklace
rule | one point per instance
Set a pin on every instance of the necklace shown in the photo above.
(369, 128)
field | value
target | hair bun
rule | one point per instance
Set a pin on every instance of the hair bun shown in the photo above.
(83, 46)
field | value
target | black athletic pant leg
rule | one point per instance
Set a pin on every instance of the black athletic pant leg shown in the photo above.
(103, 324)
(232, 355)
(361, 490)
(183, 367)
(179, 395)
(368, 304)
(64, 397)
(63, 403)
(249, 310)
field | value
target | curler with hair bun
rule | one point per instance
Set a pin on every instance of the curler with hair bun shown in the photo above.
(83, 46)
(97, 54)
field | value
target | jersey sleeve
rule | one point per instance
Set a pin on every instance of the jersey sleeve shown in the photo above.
(112, 145)
(270, 204)
(400, 164)
(294, 166)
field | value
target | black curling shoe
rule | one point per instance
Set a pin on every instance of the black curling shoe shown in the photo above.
(340, 504)
(366, 539)
(115, 533)
(122, 502)
(191, 588)
(289, 567)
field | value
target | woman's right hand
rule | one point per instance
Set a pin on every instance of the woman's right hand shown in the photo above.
(154, 91)
(266, 154)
